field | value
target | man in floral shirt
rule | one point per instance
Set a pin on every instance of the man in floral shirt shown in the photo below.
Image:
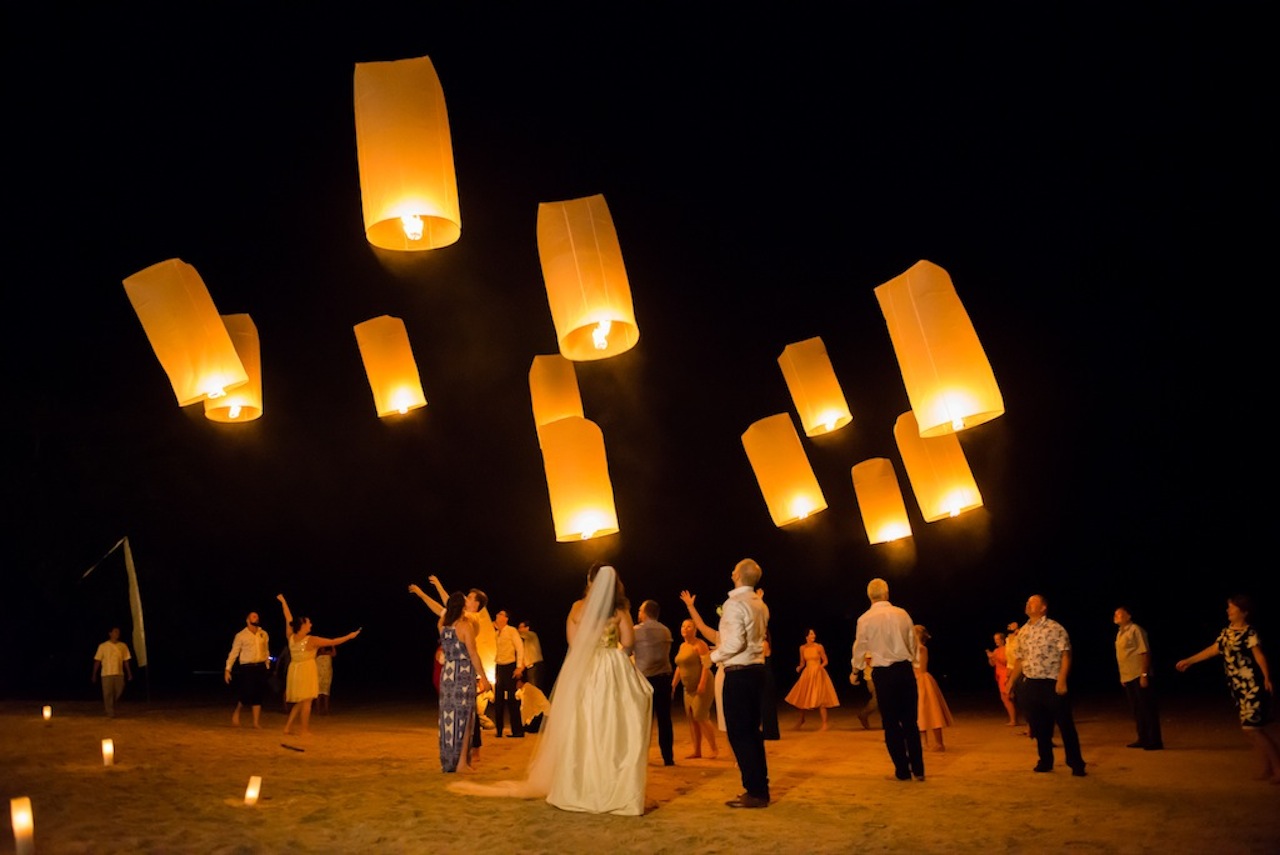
(1044, 659)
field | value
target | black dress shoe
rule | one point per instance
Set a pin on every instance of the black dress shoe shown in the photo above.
(1135, 745)
(1078, 772)
(746, 800)
(1041, 767)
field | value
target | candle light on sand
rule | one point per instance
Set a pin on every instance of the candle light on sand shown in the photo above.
(108, 752)
(47, 712)
(251, 794)
(23, 825)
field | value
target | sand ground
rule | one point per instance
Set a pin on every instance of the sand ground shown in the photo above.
(368, 780)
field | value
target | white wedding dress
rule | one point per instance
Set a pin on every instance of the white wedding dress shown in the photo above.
(593, 752)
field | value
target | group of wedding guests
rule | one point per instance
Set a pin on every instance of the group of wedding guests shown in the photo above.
(593, 752)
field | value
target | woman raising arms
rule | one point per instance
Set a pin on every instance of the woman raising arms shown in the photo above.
(302, 684)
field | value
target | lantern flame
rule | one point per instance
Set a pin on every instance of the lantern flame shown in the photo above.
(235, 412)
(600, 335)
(412, 225)
(216, 392)
(891, 533)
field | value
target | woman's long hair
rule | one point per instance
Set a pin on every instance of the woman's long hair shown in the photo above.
(620, 601)
(453, 608)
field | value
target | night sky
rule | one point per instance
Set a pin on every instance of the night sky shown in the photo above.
(1096, 186)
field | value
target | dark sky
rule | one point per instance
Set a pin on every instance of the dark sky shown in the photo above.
(1097, 187)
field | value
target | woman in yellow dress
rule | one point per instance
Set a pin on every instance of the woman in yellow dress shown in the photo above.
(693, 671)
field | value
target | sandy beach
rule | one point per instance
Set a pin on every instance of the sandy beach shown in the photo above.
(368, 780)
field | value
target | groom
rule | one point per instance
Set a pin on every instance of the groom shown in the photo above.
(743, 621)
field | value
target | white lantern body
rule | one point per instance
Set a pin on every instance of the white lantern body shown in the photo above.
(577, 470)
(408, 184)
(814, 388)
(389, 365)
(782, 470)
(586, 281)
(884, 514)
(244, 402)
(946, 372)
(938, 471)
(553, 389)
(185, 331)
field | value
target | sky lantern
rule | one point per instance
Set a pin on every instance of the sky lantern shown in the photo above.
(782, 470)
(884, 515)
(586, 281)
(243, 403)
(407, 180)
(389, 364)
(948, 378)
(553, 388)
(185, 331)
(938, 471)
(814, 388)
(578, 479)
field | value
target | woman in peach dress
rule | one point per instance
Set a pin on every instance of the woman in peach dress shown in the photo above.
(998, 659)
(814, 689)
(932, 712)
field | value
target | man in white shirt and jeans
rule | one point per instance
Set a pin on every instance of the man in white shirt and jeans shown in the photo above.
(744, 620)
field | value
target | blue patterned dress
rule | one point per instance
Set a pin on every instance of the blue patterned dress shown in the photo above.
(1244, 677)
(457, 699)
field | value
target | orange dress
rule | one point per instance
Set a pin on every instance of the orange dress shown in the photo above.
(932, 711)
(814, 689)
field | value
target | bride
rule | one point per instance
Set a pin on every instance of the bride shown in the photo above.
(592, 755)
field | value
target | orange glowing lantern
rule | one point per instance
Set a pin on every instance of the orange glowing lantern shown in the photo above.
(578, 482)
(586, 281)
(243, 403)
(24, 825)
(948, 378)
(46, 712)
(108, 752)
(814, 388)
(884, 515)
(251, 792)
(782, 470)
(407, 180)
(553, 387)
(389, 365)
(938, 471)
(182, 324)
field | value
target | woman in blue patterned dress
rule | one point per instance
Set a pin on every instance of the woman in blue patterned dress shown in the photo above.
(458, 675)
(1249, 679)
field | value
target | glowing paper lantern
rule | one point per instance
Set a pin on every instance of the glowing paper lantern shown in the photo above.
(578, 482)
(553, 388)
(938, 471)
(586, 281)
(948, 378)
(108, 752)
(407, 180)
(182, 324)
(884, 515)
(389, 365)
(814, 388)
(47, 712)
(251, 793)
(243, 403)
(782, 470)
(24, 825)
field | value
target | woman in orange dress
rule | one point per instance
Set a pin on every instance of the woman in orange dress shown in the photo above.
(998, 659)
(932, 712)
(814, 689)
